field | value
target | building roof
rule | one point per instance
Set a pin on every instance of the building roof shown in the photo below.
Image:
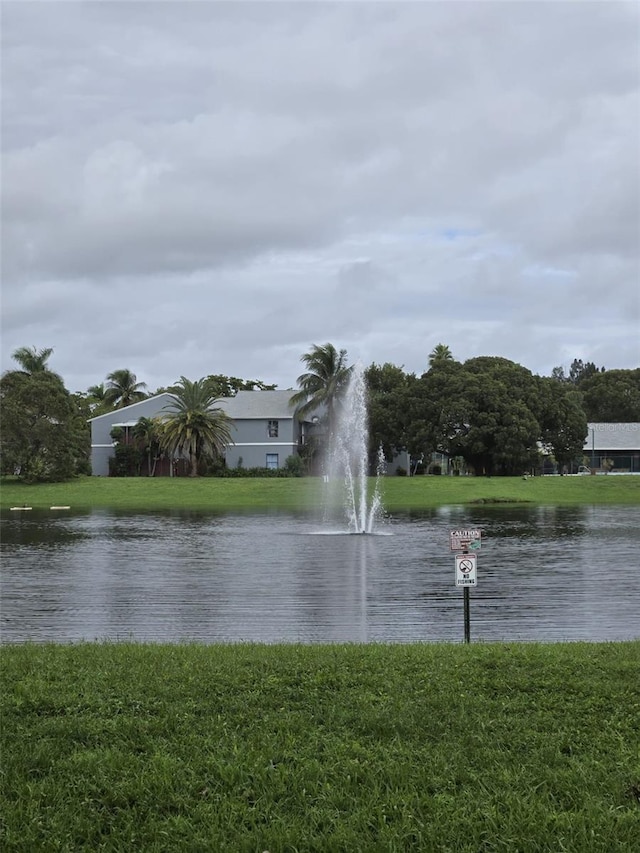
(246, 405)
(129, 412)
(606, 436)
(258, 404)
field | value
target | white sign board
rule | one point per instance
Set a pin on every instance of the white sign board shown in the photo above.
(464, 540)
(466, 565)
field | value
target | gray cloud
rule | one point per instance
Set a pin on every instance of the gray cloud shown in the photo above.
(194, 188)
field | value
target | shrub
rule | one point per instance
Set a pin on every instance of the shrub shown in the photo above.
(251, 472)
(126, 461)
(295, 466)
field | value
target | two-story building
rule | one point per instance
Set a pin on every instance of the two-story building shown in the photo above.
(265, 430)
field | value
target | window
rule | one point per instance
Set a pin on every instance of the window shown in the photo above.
(272, 429)
(272, 460)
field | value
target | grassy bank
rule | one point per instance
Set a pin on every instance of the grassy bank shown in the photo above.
(236, 494)
(321, 748)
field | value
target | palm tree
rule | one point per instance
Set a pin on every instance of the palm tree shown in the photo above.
(96, 396)
(32, 360)
(438, 354)
(324, 383)
(146, 434)
(123, 389)
(194, 424)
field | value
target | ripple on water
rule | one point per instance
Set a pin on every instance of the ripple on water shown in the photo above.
(544, 573)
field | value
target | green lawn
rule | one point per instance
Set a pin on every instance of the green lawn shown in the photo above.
(124, 747)
(256, 493)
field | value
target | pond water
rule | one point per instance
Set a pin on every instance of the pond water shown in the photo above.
(544, 573)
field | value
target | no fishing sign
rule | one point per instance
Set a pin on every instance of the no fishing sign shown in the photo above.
(466, 565)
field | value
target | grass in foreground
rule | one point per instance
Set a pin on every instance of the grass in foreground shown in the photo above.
(140, 493)
(321, 748)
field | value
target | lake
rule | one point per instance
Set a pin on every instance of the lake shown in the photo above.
(544, 573)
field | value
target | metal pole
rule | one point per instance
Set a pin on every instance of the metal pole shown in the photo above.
(467, 621)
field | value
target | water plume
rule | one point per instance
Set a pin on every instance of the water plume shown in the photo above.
(347, 462)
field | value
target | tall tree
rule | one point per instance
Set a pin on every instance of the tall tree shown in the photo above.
(432, 408)
(44, 434)
(324, 383)
(558, 374)
(482, 410)
(146, 435)
(438, 354)
(387, 392)
(33, 360)
(504, 429)
(123, 389)
(193, 424)
(96, 397)
(612, 396)
(562, 420)
(580, 371)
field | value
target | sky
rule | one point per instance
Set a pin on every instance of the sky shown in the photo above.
(201, 188)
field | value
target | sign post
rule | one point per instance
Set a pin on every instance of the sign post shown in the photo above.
(467, 616)
(467, 541)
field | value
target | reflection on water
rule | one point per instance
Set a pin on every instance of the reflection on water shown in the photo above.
(544, 573)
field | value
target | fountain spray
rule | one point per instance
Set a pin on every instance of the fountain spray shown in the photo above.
(348, 457)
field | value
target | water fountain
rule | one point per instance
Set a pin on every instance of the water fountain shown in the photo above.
(347, 462)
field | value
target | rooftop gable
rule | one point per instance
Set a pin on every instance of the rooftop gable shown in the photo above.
(127, 413)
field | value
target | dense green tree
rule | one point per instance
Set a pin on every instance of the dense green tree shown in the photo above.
(123, 389)
(44, 434)
(324, 383)
(502, 428)
(387, 391)
(483, 411)
(563, 423)
(193, 424)
(432, 408)
(495, 433)
(612, 396)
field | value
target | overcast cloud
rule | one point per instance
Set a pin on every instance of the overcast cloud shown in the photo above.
(195, 188)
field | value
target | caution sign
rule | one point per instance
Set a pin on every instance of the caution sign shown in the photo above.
(466, 565)
(465, 540)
